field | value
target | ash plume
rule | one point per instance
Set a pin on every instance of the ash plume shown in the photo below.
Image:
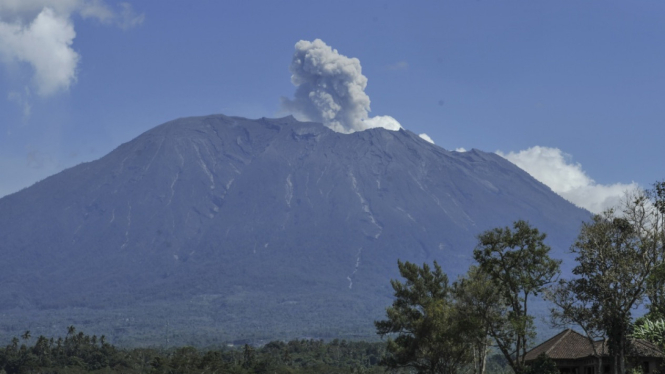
(331, 90)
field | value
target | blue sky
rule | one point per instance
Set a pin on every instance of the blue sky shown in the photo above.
(584, 81)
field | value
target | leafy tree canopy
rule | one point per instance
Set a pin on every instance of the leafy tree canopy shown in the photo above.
(517, 261)
(428, 332)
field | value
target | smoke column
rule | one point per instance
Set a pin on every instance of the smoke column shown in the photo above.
(331, 90)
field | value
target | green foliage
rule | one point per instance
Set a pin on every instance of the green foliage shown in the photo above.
(653, 331)
(518, 262)
(655, 288)
(81, 353)
(427, 328)
(657, 194)
(479, 303)
(75, 351)
(435, 328)
(619, 263)
(542, 365)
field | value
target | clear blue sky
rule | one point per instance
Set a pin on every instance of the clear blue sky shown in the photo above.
(586, 78)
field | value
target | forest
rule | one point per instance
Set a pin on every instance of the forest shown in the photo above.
(78, 352)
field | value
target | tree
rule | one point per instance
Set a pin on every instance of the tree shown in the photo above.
(479, 304)
(656, 282)
(518, 263)
(248, 356)
(655, 290)
(542, 365)
(578, 311)
(616, 256)
(429, 333)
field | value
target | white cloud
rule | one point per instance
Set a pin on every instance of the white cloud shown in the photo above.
(331, 90)
(40, 33)
(426, 137)
(45, 44)
(555, 169)
(460, 149)
(387, 122)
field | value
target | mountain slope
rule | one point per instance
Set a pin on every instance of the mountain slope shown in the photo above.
(219, 226)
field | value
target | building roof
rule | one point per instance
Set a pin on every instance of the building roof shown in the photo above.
(644, 348)
(567, 344)
(571, 345)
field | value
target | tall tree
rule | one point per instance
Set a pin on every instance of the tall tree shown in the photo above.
(616, 256)
(656, 281)
(518, 262)
(427, 329)
(583, 312)
(479, 304)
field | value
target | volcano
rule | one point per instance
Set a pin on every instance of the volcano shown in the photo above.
(212, 229)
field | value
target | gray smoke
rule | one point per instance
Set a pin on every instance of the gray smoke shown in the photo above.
(331, 90)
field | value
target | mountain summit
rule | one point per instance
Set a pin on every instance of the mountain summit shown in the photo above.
(225, 228)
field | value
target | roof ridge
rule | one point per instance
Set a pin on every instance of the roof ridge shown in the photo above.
(567, 331)
(554, 340)
(647, 343)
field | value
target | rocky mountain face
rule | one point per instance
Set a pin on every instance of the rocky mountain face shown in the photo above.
(223, 228)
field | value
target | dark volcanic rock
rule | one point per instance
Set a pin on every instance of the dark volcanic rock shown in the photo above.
(223, 226)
